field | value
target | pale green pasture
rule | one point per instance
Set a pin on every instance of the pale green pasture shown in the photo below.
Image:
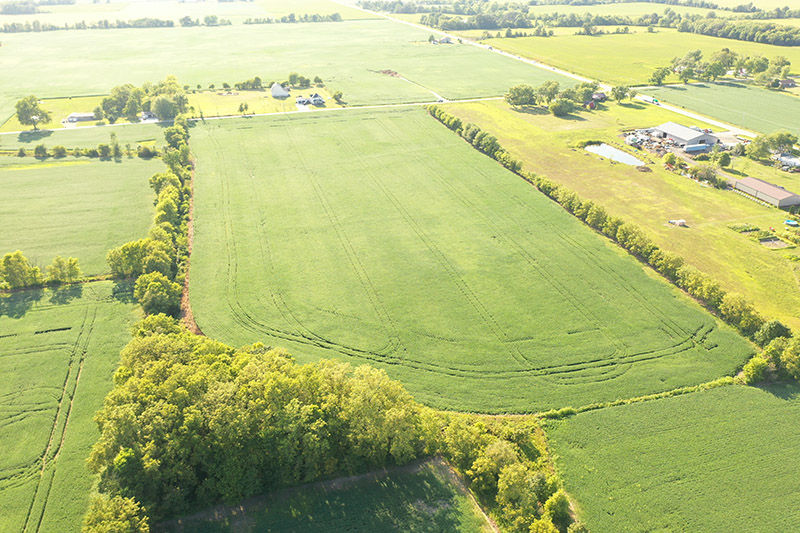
(546, 145)
(631, 58)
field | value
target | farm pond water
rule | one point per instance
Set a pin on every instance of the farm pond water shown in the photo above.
(612, 153)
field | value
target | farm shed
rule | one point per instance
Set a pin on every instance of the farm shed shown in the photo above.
(80, 117)
(278, 91)
(787, 83)
(684, 136)
(767, 192)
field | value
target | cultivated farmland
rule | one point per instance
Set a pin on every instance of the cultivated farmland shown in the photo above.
(681, 464)
(547, 146)
(751, 107)
(420, 497)
(74, 207)
(235, 53)
(383, 238)
(598, 57)
(58, 350)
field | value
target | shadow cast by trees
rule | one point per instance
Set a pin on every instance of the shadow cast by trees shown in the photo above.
(531, 110)
(64, 294)
(33, 135)
(785, 391)
(123, 291)
(17, 304)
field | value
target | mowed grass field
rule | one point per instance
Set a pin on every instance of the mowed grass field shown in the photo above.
(546, 145)
(423, 497)
(632, 58)
(74, 207)
(383, 238)
(83, 137)
(753, 108)
(715, 461)
(58, 351)
(235, 53)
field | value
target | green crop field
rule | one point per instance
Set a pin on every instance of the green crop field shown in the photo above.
(382, 237)
(714, 461)
(424, 497)
(546, 145)
(750, 107)
(58, 350)
(74, 207)
(236, 12)
(632, 58)
(235, 53)
(623, 9)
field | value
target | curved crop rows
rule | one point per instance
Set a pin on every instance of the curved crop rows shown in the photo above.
(381, 238)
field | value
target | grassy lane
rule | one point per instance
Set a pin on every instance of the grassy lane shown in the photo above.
(381, 237)
(677, 464)
(421, 497)
(547, 146)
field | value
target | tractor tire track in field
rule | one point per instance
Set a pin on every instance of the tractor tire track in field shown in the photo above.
(503, 235)
(249, 322)
(393, 342)
(233, 297)
(469, 294)
(33, 518)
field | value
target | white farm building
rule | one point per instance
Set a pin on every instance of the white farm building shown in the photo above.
(767, 192)
(278, 91)
(80, 117)
(683, 136)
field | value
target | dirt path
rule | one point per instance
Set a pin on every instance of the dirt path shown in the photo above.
(187, 317)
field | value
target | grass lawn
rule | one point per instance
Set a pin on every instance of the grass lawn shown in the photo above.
(629, 59)
(219, 104)
(85, 137)
(751, 107)
(235, 53)
(649, 199)
(382, 237)
(424, 497)
(60, 109)
(74, 207)
(715, 461)
(59, 350)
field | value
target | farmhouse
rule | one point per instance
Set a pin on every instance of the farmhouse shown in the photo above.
(278, 91)
(787, 83)
(683, 136)
(317, 99)
(767, 192)
(80, 117)
(599, 97)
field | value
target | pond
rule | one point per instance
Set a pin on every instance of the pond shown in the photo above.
(615, 154)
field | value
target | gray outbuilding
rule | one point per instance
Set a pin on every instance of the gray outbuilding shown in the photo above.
(683, 136)
(767, 192)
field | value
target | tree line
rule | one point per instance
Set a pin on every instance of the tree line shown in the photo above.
(291, 18)
(16, 272)
(732, 308)
(192, 422)
(158, 261)
(37, 26)
(165, 99)
(763, 71)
